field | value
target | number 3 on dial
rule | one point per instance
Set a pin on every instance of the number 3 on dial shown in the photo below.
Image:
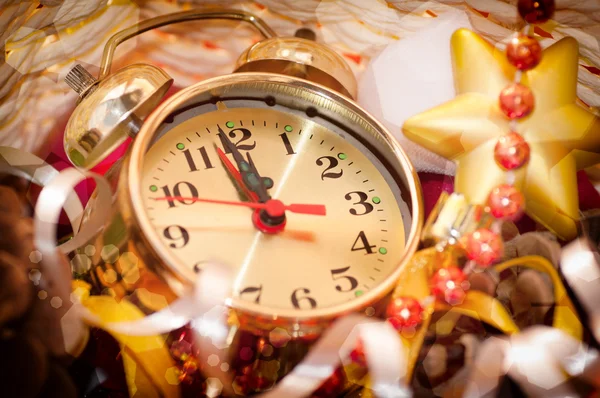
(362, 201)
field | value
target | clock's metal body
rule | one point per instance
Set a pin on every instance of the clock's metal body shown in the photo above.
(152, 253)
(151, 267)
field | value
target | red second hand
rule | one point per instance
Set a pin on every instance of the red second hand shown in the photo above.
(274, 207)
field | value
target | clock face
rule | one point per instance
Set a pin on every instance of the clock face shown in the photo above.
(299, 261)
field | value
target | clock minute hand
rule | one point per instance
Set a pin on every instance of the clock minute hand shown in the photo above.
(250, 176)
(230, 146)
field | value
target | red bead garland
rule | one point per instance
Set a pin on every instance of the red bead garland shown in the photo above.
(333, 386)
(511, 151)
(506, 202)
(536, 11)
(484, 247)
(523, 51)
(449, 285)
(404, 312)
(516, 101)
(357, 355)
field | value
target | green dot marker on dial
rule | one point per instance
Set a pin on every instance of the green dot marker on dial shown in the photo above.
(229, 124)
(342, 156)
(376, 200)
(358, 293)
(288, 128)
(382, 250)
(153, 188)
(180, 146)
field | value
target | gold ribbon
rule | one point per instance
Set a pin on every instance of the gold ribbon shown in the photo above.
(146, 360)
(565, 315)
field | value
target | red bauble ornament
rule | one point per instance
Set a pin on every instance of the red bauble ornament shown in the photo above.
(449, 285)
(511, 151)
(484, 247)
(506, 202)
(516, 101)
(523, 51)
(404, 312)
(536, 11)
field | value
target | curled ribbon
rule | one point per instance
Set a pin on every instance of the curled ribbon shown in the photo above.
(30, 167)
(581, 269)
(383, 351)
(541, 359)
(144, 359)
(56, 283)
(143, 347)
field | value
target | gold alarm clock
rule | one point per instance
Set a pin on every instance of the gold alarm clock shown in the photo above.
(273, 170)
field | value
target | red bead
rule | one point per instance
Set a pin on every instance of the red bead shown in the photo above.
(188, 371)
(506, 202)
(524, 52)
(449, 285)
(484, 247)
(251, 381)
(181, 349)
(333, 386)
(357, 355)
(404, 312)
(511, 151)
(536, 11)
(516, 101)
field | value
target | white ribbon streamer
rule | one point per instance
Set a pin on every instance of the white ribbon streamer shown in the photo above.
(209, 291)
(580, 267)
(538, 359)
(383, 351)
(55, 275)
(55, 272)
(28, 166)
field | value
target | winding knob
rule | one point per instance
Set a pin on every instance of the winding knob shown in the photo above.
(80, 80)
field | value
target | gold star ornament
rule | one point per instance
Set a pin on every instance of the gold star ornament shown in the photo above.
(562, 135)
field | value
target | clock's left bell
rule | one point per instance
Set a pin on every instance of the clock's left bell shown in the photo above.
(110, 110)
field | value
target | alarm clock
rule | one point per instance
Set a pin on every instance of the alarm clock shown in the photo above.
(273, 170)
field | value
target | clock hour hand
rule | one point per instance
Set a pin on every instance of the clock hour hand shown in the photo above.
(257, 183)
(265, 221)
(236, 175)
